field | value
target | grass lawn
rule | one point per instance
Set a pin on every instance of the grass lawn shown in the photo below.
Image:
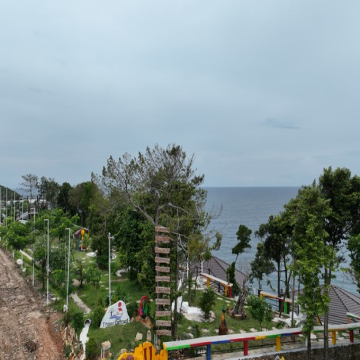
(123, 336)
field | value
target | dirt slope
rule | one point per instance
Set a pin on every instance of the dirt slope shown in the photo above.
(25, 331)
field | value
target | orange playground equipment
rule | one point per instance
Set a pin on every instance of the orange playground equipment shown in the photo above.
(145, 351)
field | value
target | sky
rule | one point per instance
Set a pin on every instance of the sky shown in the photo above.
(263, 93)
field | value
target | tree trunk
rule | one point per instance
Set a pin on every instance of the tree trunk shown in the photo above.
(278, 278)
(293, 298)
(308, 348)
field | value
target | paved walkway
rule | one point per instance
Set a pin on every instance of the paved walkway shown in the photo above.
(80, 303)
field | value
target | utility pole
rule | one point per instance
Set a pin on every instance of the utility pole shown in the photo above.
(110, 238)
(47, 264)
(68, 276)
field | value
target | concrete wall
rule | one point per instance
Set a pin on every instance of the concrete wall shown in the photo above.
(337, 352)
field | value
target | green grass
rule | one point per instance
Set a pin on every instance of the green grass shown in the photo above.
(120, 336)
(234, 324)
(123, 336)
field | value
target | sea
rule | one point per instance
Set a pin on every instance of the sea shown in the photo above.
(252, 206)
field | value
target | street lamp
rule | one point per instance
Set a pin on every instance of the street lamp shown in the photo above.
(47, 264)
(33, 261)
(110, 238)
(67, 285)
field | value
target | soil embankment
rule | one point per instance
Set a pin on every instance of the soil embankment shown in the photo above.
(26, 332)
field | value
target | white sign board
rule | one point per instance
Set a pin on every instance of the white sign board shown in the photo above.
(116, 314)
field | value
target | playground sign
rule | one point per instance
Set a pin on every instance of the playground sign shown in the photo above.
(116, 314)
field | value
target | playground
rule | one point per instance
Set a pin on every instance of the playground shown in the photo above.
(196, 335)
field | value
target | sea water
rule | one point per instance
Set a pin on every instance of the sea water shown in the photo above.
(252, 206)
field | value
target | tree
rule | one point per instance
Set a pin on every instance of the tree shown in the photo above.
(230, 271)
(277, 237)
(29, 184)
(153, 180)
(58, 223)
(259, 309)
(162, 186)
(80, 197)
(313, 255)
(343, 192)
(132, 237)
(16, 234)
(48, 190)
(40, 254)
(93, 275)
(354, 249)
(243, 237)
(80, 271)
(261, 265)
(63, 198)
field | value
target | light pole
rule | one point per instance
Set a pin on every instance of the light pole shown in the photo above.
(110, 238)
(47, 264)
(6, 209)
(68, 276)
(14, 207)
(33, 260)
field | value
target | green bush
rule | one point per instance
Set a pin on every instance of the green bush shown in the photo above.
(121, 294)
(92, 349)
(102, 261)
(132, 309)
(97, 316)
(207, 301)
(259, 309)
(100, 301)
(77, 321)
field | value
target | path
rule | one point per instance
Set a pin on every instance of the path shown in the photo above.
(25, 332)
(80, 303)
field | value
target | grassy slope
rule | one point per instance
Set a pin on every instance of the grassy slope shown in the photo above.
(123, 336)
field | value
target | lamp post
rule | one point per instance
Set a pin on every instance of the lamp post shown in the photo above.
(33, 261)
(6, 209)
(14, 208)
(68, 276)
(110, 238)
(47, 264)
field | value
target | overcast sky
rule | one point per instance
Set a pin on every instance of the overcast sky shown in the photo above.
(264, 93)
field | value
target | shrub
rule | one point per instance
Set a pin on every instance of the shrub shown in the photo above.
(259, 309)
(121, 294)
(132, 309)
(77, 321)
(92, 349)
(97, 316)
(207, 301)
